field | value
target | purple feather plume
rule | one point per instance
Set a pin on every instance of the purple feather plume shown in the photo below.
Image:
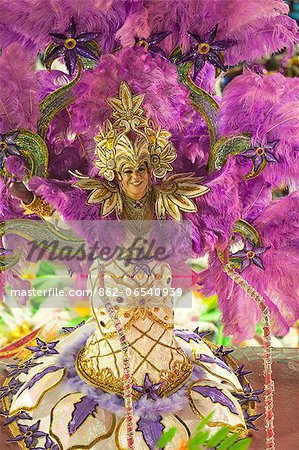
(33, 20)
(213, 222)
(278, 226)
(9, 207)
(258, 28)
(166, 100)
(18, 90)
(267, 109)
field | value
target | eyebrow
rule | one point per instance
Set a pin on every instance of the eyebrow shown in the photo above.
(143, 166)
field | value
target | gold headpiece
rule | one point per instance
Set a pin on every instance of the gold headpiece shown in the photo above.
(132, 138)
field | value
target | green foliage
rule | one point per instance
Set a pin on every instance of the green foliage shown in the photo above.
(167, 437)
(46, 268)
(204, 422)
(228, 442)
(223, 439)
(242, 445)
(218, 437)
(198, 439)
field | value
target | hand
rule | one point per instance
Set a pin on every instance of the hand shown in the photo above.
(19, 190)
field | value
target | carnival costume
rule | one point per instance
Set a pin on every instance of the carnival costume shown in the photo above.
(120, 380)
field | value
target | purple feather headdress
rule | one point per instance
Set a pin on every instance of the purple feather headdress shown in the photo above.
(166, 100)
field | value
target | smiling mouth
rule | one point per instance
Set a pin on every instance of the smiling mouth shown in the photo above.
(137, 183)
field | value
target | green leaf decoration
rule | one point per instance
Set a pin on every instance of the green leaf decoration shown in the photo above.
(167, 437)
(6, 262)
(89, 64)
(202, 100)
(55, 102)
(218, 437)
(225, 147)
(44, 237)
(45, 55)
(34, 150)
(247, 231)
(175, 54)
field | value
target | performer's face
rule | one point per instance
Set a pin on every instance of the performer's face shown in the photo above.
(134, 180)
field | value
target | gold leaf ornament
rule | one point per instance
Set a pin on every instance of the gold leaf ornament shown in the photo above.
(105, 151)
(105, 193)
(127, 110)
(174, 195)
(161, 159)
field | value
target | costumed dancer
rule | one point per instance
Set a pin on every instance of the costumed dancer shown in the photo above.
(234, 165)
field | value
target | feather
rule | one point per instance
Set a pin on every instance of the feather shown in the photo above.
(9, 207)
(68, 160)
(35, 19)
(51, 81)
(254, 195)
(166, 100)
(18, 90)
(217, 210)
(9, 36)
(64, 198)
(180, 18)
(136, 25)
(16, 166)
(71, 204)
(192, 145)
(278, 226)
(258, 28)
(234, 305)
(267, 108)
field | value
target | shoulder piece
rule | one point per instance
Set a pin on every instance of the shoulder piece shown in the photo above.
(174, 195)
(102, 192)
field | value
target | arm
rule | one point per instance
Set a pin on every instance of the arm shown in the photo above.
(30, 202)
